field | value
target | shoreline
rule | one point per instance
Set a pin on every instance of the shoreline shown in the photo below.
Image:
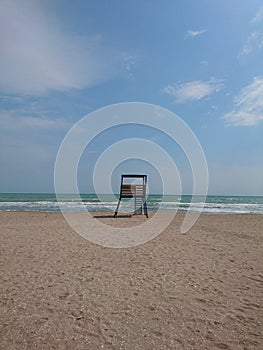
(122, 213)
(201, 290)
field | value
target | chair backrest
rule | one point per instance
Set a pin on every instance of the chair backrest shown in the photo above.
(127, 190)
(132, 190)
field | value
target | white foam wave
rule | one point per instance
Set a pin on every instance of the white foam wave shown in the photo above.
(208, 208)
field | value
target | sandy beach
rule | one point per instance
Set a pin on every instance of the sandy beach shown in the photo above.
(201, 290)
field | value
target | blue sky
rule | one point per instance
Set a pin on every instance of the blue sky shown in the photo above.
(61, 60)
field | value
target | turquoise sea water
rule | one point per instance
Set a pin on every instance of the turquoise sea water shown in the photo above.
(91, 202)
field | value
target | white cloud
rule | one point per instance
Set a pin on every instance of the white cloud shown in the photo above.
(38, 55)
(129, 63)
(15, 119)
(194, 90)
(194, 33)
(248, 105)
(258, 16)
(254, 42)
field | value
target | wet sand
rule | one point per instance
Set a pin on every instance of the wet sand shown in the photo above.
(201, 290)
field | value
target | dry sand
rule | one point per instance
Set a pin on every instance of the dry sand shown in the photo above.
(202, 290)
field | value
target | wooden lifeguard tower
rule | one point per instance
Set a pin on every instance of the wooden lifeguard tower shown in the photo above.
(136, 191)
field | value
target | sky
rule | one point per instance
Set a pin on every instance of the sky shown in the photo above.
(202, 60)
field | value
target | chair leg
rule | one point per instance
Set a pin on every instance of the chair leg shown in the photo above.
(116, 211)
(145, 209)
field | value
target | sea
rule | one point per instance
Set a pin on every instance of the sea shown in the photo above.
(48, 202)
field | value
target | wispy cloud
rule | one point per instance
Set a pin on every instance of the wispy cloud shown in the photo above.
(129, 63)
(18, 119)
(253, 42)
(37, 54)
(248, 105)
(194, 90)
(258, 16)
(194, 33)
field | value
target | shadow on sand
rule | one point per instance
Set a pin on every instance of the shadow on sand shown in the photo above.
(112, 216)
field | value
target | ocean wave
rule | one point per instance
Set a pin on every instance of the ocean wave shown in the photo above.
(231, 205)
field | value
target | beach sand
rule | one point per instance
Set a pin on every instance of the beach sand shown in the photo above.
(200, 290)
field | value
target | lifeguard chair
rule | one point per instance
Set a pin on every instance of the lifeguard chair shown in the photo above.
(136, 191)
